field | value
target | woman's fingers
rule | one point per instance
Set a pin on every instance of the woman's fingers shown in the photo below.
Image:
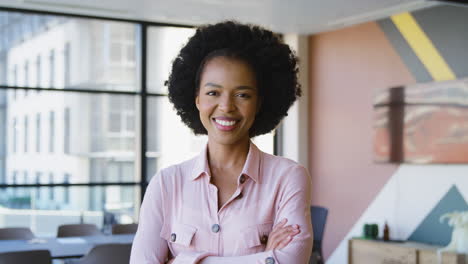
(281, 236)
(280, 224)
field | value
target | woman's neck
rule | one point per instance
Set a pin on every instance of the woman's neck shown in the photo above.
(227, 156)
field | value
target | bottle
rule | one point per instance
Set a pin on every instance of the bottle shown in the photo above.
(386, 232)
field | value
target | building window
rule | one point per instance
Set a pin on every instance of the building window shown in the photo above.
(51, 189)
(66, 192)
(51, 131)
(67, 65)
(25, 133)
(38, 132)
(26, 77)
(66, 132)
(38, 181)
(38, 72)
(52, 69)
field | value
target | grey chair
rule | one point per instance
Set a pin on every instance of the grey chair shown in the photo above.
(124, 229)
(106, 253)
(16, 233)
(26, 257)
(78, 230)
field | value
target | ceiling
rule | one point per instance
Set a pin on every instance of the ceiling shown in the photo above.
(284, 16)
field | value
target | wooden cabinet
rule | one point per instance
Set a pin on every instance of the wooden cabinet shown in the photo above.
(361, 251)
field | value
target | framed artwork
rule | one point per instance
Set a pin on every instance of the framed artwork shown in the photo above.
(422, 123)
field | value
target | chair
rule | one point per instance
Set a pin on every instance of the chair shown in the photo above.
(16, 233)
(319, 218)
(106, 253)
(26, 257)
(124, 229)
(78, 230)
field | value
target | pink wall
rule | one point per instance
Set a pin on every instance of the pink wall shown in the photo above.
(346, 68)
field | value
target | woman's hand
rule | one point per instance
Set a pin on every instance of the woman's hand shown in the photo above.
(281, 235)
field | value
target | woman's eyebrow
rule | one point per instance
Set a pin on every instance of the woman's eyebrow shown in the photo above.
(241, 87)
(213, 85)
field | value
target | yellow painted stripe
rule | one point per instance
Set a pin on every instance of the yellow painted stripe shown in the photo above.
(423, 47)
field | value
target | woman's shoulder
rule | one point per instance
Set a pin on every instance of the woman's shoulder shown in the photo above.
(281, 163)
(177, 171)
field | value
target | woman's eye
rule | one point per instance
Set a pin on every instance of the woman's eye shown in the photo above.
(243, 95)
(211, 93)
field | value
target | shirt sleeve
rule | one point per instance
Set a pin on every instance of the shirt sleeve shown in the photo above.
(148, 247)
(295, 206)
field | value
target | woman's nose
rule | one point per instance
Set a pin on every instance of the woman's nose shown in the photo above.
(227, 104)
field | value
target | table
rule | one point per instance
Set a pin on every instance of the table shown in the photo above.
(70, 247)
(362, 251)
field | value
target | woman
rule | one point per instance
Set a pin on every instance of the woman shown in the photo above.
(232, 203)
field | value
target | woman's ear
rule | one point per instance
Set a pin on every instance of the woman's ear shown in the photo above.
(197, 102)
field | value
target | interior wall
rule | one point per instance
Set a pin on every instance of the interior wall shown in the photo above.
(346, 68)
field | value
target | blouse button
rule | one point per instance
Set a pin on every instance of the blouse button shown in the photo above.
(173, 237)
(242, 179)
(215, 228)
(270, 260)
(264, 239)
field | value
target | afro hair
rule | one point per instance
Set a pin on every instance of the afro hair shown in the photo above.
(274, 64)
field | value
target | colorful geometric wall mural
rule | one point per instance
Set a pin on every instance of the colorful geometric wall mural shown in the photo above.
(432, 44)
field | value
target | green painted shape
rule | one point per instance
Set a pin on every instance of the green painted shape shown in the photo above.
(431, 230)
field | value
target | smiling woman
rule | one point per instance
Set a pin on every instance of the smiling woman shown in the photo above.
(231, 203)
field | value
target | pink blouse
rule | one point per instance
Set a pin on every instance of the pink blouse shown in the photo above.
(180, 213)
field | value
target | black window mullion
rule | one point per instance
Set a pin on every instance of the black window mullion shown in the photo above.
(143, 147)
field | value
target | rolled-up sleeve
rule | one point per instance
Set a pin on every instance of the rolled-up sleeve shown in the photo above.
(148, 247)
(294, 205)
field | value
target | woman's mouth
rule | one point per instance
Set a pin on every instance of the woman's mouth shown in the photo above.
(225, 124)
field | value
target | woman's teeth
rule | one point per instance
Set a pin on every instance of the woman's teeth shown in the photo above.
(225, 122)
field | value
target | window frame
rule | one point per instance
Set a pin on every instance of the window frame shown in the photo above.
(142, 94)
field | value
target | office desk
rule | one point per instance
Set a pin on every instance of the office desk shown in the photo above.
(70, 247)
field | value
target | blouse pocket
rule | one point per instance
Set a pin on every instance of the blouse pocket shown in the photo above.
(255, 238)
(179, 237)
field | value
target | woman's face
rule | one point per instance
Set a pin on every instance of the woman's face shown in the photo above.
(227, 100)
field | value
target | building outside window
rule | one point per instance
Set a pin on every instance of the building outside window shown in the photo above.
(88, 130)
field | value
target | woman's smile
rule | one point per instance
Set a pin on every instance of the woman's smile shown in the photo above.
(225, 123)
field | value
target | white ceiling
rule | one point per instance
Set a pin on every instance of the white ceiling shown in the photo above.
(293, 16)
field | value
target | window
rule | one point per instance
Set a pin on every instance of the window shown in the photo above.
(38, 181)
(66, 131)
(51, 131)
(66, 58)
(85, 148)
(38, 132)
(51, 189)
(26, 77)
(25, 133)
(66, 193)
(52, 69)
(38, 72)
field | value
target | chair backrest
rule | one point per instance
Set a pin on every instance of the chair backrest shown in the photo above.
(12, 233)
(107, 253)
(124, 229)
(319, 218)
(26, 257)
(78, 230)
